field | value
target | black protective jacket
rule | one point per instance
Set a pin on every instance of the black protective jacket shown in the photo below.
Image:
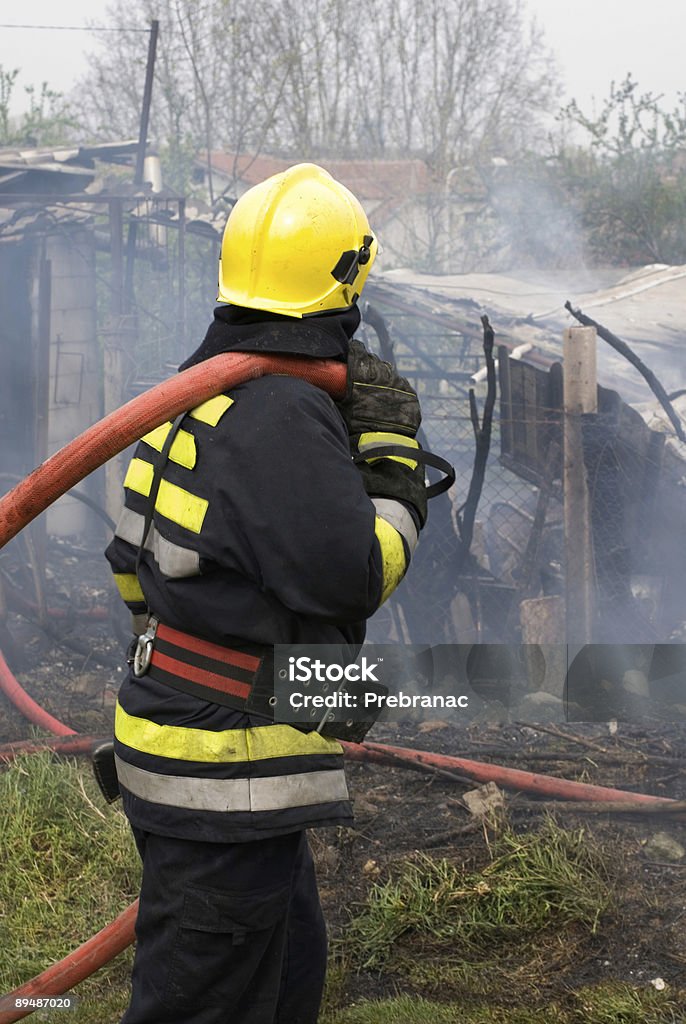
(262, 531)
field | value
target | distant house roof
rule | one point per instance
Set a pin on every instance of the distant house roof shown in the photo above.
(367, 179)
(382, 186)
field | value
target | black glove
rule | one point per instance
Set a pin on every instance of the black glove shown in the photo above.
(380, 409)
(377, 397)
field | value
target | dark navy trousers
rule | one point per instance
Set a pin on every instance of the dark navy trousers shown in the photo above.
(227, 933)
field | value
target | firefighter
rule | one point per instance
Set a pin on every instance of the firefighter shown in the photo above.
(248, 524)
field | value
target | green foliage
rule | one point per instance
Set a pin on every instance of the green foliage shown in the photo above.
(551, 877)
(7, 80)
(49, 120)
(98, 1004)
(628, 179)
(69, 867)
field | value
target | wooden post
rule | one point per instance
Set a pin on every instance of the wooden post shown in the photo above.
(38, 536)
(140, 160)
(181, 285)
(114, 390)
(580, 396)
(543, 639)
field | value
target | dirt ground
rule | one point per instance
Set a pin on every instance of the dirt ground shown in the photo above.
(72, 666)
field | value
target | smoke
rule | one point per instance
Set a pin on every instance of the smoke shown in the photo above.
(533, 222)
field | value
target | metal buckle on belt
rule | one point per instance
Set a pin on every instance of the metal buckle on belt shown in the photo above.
(142, 649)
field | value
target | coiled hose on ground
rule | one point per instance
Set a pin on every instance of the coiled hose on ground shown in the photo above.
(71, 464)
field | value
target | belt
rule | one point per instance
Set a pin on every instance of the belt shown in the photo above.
(240, 676)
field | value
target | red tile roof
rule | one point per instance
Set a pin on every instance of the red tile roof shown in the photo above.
(367, 179)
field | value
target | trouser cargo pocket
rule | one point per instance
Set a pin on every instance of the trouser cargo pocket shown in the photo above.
(229, 950)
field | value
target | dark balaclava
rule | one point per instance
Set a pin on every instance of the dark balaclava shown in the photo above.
(237, 329)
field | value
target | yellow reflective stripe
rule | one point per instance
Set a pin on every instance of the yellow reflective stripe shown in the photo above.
(212, 410)
(266, 741)
(392, 555)
(226, 746)
(384, 437)
(156, 438)
(175, 503)
(128, 586)
(139, 476)
(182, 507)
(182, 451)
(379, 437)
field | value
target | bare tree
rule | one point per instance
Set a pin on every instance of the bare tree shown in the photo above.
(453, 82)
(210, 92)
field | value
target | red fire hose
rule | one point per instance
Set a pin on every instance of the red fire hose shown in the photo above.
(27, 705)
(122, 427)
(509, 778)
(76, 744)
(102, 947)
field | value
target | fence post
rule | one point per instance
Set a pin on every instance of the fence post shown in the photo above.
(114, 354)
(580, 396)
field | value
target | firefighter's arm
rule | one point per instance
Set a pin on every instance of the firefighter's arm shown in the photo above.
(122, 554)
(380, 410)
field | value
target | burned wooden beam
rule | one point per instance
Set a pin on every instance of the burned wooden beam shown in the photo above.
(466, 514)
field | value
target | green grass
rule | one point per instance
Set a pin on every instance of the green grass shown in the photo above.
(606, 1004)
(69, 866)
(622, 1004)
(552, 877)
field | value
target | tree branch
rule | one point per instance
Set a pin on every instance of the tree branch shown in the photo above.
(466, 514)
(621, 346)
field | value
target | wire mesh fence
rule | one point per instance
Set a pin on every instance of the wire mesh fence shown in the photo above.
(520, 552)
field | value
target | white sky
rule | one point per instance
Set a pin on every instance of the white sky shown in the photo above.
(599, 41)
(596, 41)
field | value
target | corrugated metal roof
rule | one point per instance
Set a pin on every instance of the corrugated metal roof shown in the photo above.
(50, 171)
(76, 155)
(644, 307)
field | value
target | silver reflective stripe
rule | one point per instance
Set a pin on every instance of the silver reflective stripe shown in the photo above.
(174, 561)
(399, 518)
(275, 794)
(130, 526)
(270, 794)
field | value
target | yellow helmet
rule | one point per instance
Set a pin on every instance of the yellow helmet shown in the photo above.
(298, 243)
